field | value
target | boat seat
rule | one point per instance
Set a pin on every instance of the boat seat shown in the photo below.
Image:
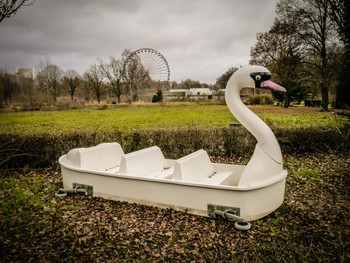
(144, 162)
(90, 158)
(217, 178)
(194, 167)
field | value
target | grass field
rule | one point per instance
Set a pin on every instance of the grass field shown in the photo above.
(155, 116)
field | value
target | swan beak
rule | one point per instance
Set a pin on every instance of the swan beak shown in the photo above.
(270, 85)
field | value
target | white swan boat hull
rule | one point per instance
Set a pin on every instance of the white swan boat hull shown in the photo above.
(192, 183)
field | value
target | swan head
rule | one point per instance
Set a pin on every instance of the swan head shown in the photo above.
(254, 77)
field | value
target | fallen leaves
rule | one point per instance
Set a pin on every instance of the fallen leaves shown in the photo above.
(312, 223)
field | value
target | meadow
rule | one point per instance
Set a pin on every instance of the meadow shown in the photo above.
(155, 116)
(312, 225)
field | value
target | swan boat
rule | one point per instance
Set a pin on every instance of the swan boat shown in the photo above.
(192, 183)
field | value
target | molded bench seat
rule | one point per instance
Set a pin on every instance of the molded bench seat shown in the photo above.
(90, 158)
(144, 162)
(197, 167)
(194, 167)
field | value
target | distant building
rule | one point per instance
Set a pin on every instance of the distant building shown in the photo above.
(188, 94)
(200, 91)
(26, 73)
(175, 94)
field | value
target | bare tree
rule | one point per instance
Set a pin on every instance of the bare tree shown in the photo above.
(113, 71)
(72, 81)
(9, 8)
(341, 17)
(190, 84)
(315, 29)
(280, 50)
(340, 11)
(221, 81)
(94, 78)
(49, 78)
(8, 88)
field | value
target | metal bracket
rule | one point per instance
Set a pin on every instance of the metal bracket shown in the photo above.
(87, 189)
(77, 188)
(232, 213)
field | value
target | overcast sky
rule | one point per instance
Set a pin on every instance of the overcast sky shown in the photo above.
(200, 39)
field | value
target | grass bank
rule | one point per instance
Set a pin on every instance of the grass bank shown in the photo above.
(156, 116)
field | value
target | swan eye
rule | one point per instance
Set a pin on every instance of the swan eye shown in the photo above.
(257, 77)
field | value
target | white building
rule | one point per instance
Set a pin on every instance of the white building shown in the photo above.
(200, 92)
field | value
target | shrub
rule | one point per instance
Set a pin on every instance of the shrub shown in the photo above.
(158, 97)
(42, 150)
(260, 99)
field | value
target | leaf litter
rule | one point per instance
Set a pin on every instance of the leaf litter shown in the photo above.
(311, 225)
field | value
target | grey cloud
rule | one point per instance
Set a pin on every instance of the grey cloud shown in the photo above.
(201, 39)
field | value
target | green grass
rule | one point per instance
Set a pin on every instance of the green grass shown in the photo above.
(155, 116)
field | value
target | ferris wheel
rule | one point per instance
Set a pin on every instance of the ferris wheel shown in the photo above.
(153, 62)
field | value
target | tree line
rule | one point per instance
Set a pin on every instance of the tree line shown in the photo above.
(116, 80)
(307, 49)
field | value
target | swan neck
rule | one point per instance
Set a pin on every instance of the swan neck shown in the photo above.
(259, 129)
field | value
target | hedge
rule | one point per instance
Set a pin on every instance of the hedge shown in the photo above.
(42, 150)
